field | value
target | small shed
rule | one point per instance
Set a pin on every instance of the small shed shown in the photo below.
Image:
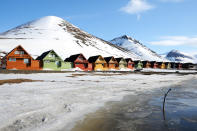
(153, 64)
(111, 63)
(130, 63)
(146, 64)
(162, 65)
(20, 59)
(98, 63)
(138, 64)
(79, 61)
(122, 63)
(51, 61)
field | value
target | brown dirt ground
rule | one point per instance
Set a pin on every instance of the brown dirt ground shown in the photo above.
(13, 81)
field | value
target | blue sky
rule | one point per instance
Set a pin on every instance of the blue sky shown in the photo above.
(162, 25)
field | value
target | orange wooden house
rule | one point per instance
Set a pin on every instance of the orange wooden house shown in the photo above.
(112, 63)
(19, 59)
(146, 64)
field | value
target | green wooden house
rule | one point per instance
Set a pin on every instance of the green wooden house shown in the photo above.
(122, 63)
(138, 64)
(51, 61)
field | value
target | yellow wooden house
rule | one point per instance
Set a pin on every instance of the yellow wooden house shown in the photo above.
(162, 65)
(98, 63)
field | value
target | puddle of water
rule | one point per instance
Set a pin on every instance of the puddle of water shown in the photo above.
(143, 112)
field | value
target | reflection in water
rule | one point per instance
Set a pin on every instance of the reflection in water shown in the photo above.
(143, 111)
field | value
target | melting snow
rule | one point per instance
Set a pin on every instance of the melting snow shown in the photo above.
(61, 99)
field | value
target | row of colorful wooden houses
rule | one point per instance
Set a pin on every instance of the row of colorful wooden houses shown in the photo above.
(20, 59)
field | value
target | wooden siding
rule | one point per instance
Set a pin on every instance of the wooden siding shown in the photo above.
(19, 59)
(100, 64)
(112, 63)
(51, 61)
(81, 62)
(130, 63)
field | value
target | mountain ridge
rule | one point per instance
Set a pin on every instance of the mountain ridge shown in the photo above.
(178, 56)
(137, 48)
(52, 32)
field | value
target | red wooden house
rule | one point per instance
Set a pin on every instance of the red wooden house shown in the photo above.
(130, 63)
(154, 64)
(80, 61)
(178, 66)
(19, 59)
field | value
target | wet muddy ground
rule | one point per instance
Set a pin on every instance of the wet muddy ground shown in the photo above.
(143, 111)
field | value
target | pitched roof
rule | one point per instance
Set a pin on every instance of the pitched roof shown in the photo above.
(72, 58)
(160, 63)
(119, 59)
(137, 61)
(41, 57)
(145, 62)
(128, 59)
(107, 59)
(18, 47)
(152, 62)
(93, 58)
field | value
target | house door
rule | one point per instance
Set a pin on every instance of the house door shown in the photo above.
(58, 63)
(27, 62)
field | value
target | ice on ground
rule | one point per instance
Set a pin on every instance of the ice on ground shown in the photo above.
(61, 99)
(168, 70)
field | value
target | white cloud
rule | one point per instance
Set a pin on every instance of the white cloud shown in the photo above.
(176, 40)
(137, 7)
(172, 1)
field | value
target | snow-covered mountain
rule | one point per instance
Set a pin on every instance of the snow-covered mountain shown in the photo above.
(52, 32)
(178, 56)
(137, 48)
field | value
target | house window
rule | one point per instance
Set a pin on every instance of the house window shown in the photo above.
(50, 55)
(21, 52)
(12, 59)
(100, 59)
(26, 61)
(47, 61)
(80, 58)
(16, 52)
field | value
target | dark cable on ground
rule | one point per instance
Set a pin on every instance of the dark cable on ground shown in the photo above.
(164, 101)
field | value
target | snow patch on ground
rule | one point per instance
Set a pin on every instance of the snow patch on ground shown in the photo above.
(61, 99)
